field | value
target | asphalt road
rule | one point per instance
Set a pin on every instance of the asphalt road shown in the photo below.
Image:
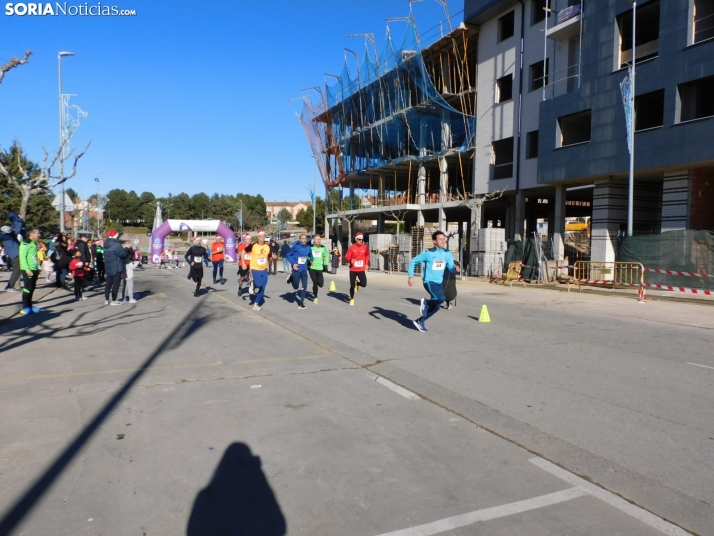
(567, 414)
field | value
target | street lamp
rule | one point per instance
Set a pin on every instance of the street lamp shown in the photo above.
(60, 55)
(99, 201)
(631, 186)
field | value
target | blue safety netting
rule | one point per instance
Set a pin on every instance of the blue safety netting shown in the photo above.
(388, 112)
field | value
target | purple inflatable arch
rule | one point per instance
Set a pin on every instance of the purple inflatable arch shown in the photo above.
(201, 226)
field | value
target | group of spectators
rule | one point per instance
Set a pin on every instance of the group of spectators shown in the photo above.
(88, 262)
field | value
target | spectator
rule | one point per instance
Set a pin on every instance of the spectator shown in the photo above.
(11, 237)
(83, 248)
(130, 267)
(30, 270)
(61, 259)
(114, 254)
(284, 250)
(77, 268)
(273, 259)
(335, 260)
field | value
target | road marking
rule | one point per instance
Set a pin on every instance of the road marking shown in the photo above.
(394, 387)
(698, 365)
(163, 367)
(611, 499)
(451, 523)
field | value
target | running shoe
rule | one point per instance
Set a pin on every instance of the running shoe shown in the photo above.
(314, 300)
(116, 302)
(289, 280)
(424, 309)
(11, 289)
(26, 311)
(301, 306)
(256, 307)
(357, 286)
(130, 301)
(36, 310)
(251, 288)
(419, 324)
(352, 301)
(106, 302)
(84, 298)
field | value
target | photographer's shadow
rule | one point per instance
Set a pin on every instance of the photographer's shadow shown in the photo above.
(238, 501)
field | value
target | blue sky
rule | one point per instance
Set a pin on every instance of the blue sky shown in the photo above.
(187, 95)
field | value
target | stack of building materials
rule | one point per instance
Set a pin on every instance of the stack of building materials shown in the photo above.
(488, 248)
(380, 242)
(417, 246)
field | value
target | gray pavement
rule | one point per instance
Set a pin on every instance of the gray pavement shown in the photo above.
(148, 419)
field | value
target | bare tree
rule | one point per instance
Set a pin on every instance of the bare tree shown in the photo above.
(342, 215)
(398, 215)
(14, 62)
(475, 203)
(31, 183)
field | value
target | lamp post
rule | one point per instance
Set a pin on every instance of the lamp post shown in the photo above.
(631, 186)
(62, 141)
(99, 201)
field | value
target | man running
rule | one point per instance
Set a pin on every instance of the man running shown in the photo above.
(194, 257)
(436, 260)
(243, 262)
(30, 269)
(217, 256)
(299, 257)
(357, 257)
(320, 262)
(259, 254)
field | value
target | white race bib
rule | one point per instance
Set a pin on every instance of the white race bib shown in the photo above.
(438, 266)
(302, 260)
(247, 256)
(262, 261)
(359, 264)
(198, 259)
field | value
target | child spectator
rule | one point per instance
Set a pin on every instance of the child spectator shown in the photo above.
(335, 260)
(129, 291)
(76, 267)
(176, 259)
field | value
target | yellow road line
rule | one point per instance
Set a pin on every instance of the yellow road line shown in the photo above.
(166, 367)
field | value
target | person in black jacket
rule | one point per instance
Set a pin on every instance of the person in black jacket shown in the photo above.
(273, 259)
(61, 260)
(83, 248)
(195, 257)
(114, 254)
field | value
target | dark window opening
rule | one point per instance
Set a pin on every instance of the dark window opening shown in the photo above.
(574, 128)
(504, 88)
(532, 145)
(506, 26)
(503, 158)
(703, 20)
(649, 110)
(696, 99)
(538, 10)
(539, 75)
(647, 35)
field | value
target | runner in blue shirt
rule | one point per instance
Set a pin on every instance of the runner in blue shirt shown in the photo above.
(436, 260)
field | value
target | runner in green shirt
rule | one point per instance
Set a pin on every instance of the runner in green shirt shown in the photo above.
(320, 262)
(30, 269)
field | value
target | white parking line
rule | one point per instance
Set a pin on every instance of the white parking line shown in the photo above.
(698, 365)
(394, 387)
(611, 499)
(451, 523)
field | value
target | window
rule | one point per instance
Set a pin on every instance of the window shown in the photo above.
(504, 88)
(574, 128)
(702, 20)
(696, 99)
(539, 75)
(506, 26)
(649, 110)
(532, 145)
(538, 10)
(503, 158)
(647, 34)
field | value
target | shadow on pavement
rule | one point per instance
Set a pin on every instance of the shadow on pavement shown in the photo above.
(189, 325)
(339, 296)
(414, 301)
(400, 318)
(238, 500)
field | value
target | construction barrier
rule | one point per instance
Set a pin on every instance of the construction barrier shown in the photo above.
(612, 274)
(673, 288)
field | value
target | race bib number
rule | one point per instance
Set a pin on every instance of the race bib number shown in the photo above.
(438, 266)
(247, 256)
(262, 261)
(302, 260)
(197, 259)
(80, 264)
(359, 264)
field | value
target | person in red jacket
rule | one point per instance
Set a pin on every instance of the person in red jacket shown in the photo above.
(77, 267)
(358, 258)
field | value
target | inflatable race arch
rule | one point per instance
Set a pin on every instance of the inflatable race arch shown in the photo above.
(159, 234)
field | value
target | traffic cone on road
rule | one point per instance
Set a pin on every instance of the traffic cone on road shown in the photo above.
(484, 316)
(333, 287)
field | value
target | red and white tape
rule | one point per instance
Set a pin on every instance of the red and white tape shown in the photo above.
(681, 289)
(674, 272)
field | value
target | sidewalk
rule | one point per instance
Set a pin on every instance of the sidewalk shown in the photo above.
(11, 302)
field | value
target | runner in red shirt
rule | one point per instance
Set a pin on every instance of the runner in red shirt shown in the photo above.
(358, 258)
(243, 262)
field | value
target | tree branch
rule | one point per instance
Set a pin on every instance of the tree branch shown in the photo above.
(14, 62)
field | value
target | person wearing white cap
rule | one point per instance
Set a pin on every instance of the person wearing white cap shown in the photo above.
(259, 252)
(357, 257)
(195, 257)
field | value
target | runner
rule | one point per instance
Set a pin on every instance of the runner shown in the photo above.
(358, 258)
(259, 254)
(299, 257)
(217, 257)
(194, 257)
(30, 269)
(436, 260)
(320, 263)
(243, 263)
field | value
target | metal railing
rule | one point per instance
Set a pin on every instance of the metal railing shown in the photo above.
(611, 274)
